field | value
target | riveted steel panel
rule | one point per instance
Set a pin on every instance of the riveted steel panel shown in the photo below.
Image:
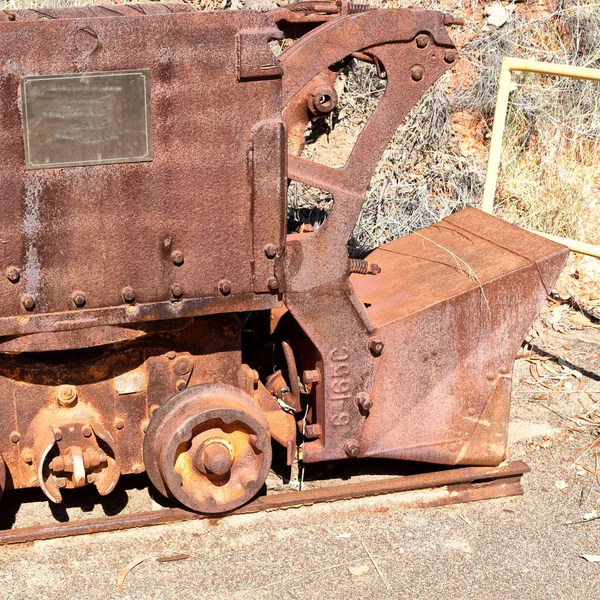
(132, 241)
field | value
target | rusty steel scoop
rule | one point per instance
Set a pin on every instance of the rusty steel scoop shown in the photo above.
(451, 306)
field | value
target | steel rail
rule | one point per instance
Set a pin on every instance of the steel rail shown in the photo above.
(462, 485)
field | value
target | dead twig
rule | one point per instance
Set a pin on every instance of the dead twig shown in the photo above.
(130, 566)
(138, 561)
(385, 581)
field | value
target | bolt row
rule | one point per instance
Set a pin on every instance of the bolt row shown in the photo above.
(13, 274)
(417, 72)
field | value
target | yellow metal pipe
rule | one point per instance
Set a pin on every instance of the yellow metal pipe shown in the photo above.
(531, 66)
(573, 245)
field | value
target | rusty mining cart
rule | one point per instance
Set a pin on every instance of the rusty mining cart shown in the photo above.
(155, 314)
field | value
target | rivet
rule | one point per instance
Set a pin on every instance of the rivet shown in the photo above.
(135, 354)
(490, 376)
(119, 424)
(136, 468)
(28, 301)
(417, 73)
(225, 287)
(86, 40)
(182, 366)
(27, 456)
(131, 308)
(171, 354)
(13, 274)
(128, 294)
(273, 284)
(376, 346)
(181, 384)
(15, 437)
(153, 409)
(450, 56)
(86, 431)
(57, 435)
(422, 40)
(351, 448)
(67, 395)
(177, 257)
(177, 290)
(78, 299)
(453, 447)
(271, 250)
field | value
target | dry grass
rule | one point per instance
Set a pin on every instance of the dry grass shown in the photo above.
(548, 178)
(421, 178)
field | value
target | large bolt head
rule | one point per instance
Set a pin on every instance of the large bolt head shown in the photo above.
(67, 395)
(177, 258)
(128, 294)
(351, 448)
(177, 290)
(225, 287)
(450, 56)
(28, 301)
(214, 458)
(422, 40)
(13, 274)
(376, 346)
(364, 401)
(271, 250)
(78, 299)
(323, 99)
(417, 73)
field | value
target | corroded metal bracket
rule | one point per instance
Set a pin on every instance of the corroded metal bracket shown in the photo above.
(316, 267)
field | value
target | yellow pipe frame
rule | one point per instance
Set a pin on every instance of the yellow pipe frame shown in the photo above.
(530, 66)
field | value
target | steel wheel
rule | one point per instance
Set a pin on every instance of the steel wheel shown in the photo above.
(209, 446)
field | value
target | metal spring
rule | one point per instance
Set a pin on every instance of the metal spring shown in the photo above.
(362, 267)
(354, 9)
(358, 266)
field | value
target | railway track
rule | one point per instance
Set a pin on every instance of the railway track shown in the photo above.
(452, 486)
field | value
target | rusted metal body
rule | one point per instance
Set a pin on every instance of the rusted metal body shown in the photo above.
(146, 151)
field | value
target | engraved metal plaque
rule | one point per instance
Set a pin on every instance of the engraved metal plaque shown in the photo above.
(86, 118)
